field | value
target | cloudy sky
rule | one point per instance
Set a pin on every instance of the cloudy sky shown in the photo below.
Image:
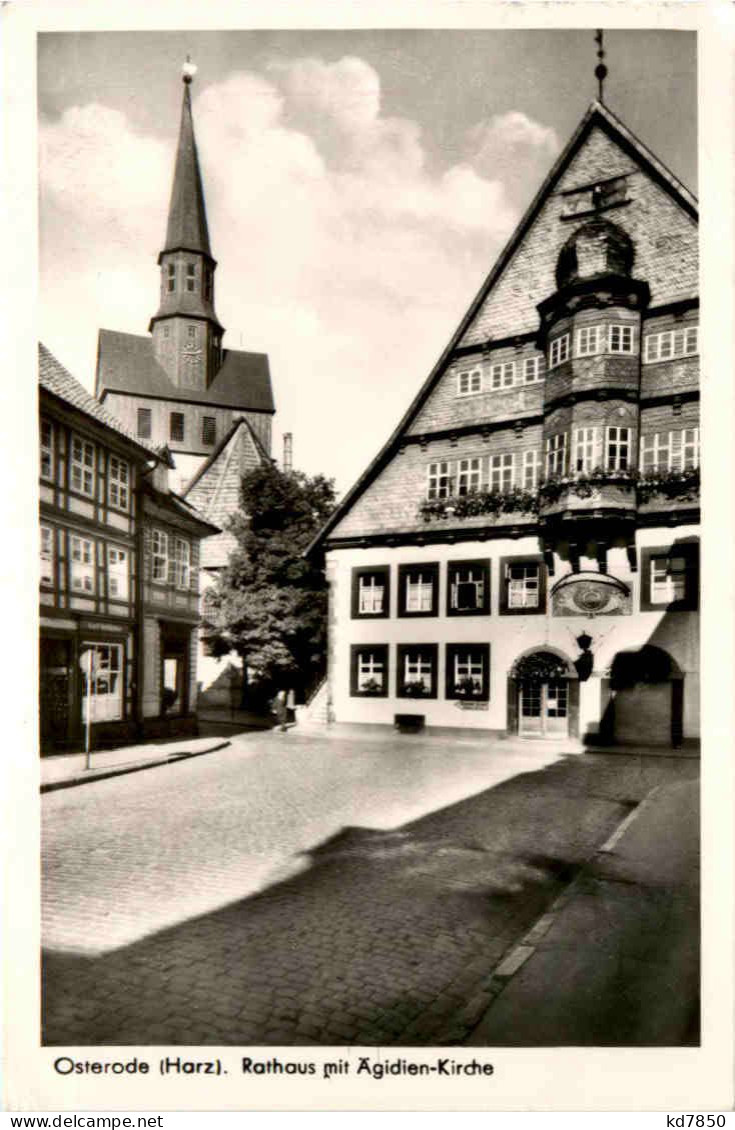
(359, 186)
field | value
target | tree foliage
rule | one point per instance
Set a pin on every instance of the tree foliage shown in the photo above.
(270, 603)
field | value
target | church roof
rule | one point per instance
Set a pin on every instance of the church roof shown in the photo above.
(54, 378)
(599, 116)
(126, 363)
(187, 217)
(215, 489)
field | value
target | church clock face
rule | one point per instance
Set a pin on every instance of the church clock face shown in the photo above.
(191, 362)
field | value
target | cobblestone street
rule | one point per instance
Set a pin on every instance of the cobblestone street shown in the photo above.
(295, 890)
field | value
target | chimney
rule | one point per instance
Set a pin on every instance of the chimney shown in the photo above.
(288, 451)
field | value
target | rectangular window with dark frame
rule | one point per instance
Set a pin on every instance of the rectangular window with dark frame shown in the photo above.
(416, 670)
(468, 588)
(190, 277)
(418, 590)
(176, 427)
(371, 592)
(522, 585)
(209, 430)
(670, 578)
(144, 423)
(369, 670)
(171, 278)
(468, 672)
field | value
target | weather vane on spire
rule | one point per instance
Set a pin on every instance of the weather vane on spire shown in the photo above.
(188, 70)
(600, 69)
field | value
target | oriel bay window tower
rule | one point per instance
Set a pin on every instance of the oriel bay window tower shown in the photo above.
(522, 556)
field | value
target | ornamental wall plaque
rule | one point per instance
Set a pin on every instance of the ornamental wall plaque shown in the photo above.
(591, 594)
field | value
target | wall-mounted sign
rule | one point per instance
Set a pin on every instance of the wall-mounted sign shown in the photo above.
(591, 594)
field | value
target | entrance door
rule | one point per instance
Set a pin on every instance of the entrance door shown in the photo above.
(55, 679)
(643, 714)
(543, 708)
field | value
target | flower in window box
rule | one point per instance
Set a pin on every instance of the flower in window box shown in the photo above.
(414, 688)
(370, 686)
(467, 687)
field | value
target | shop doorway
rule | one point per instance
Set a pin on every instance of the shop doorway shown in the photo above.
(56, 689)
(174, 671)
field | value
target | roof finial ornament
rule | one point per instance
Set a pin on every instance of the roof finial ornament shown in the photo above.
(188, 70)
(600, 69)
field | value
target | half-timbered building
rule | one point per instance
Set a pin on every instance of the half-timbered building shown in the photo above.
(522, 555)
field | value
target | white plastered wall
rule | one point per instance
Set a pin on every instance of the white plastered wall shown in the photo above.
(508, 636)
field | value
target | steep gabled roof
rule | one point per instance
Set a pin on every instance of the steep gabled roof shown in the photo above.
(57, 380)
(215, 488)
(598, 115)
(126, 363)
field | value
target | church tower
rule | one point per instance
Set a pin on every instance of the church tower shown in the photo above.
(187, 336)
(178, 386)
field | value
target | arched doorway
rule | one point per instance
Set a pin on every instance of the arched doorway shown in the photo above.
(543, 696)
(645, 693)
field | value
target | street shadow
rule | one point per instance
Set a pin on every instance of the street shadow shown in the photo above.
(379, 940)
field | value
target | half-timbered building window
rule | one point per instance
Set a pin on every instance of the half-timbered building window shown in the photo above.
(118, 490)
(82, 564)
(82, 466)
(469, 476)
(556, 454)
(159, 543)
(47, 555)
(47, 450)
(618, 448)
(438, 481)
(181, 563)
(501, 471)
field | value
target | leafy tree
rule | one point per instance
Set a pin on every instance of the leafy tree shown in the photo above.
(270, 603)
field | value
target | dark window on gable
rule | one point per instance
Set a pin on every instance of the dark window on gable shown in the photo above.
(176, 426)
(468, 588)
(468, 672)
(144, 423)
(371, 592)
(416, 670)
(522, 585)
(418, 590)
(670, 578)
(369, 670)
(209, 429)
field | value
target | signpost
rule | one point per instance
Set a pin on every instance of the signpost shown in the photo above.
(86, 660)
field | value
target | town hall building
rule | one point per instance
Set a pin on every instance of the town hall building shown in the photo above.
(522, 556)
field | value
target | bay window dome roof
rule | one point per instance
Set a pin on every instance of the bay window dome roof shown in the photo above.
(598, 247)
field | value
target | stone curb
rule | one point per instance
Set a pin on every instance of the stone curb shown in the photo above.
(515, 958)
(106, 774)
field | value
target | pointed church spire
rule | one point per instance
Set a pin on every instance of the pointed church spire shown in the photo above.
(187, 336)
(187, 217)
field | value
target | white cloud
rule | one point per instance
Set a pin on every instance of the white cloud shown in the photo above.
(515, 130)
(341, 251)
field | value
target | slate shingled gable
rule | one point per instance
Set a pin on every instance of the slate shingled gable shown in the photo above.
(598, 116)
(215, 489)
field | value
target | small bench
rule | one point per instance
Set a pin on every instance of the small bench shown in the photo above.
(409, 723)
